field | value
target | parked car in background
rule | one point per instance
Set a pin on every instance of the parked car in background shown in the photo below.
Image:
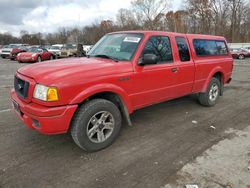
(247, 48)
(5, 53)
(55, 49)
(7, 49)
(16, 51)
(68, 50)
(125, 71)
(240, 53)
(1, 47)
(35, 55)
(45, 46)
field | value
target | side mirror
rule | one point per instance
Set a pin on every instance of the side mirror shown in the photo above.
(148, 59)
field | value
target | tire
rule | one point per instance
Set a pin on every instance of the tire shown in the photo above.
(241, 56)
(210, 97)
(39, 59)
(89, 117)
(3, 57)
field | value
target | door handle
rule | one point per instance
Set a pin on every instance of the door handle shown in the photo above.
(174, 69)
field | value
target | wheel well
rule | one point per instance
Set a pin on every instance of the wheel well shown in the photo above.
(219, 76)
(114, 98)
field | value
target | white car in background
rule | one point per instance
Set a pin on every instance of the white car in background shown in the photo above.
(6, 50)
(56, 49)
(247, 48)
(87, 48)
(1, 47)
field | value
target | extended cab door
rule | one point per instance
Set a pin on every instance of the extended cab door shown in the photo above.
(185, 73)
(156, 82)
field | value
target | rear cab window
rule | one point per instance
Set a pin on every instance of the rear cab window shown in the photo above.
(206, 47)
(183, 50)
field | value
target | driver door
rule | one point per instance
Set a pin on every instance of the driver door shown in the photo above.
(155, 83)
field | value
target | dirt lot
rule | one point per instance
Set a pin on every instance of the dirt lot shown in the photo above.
(163, 148)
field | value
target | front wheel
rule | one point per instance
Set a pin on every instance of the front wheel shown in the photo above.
(241, 56)
(210, 97)
(39, 59)
(96, 125)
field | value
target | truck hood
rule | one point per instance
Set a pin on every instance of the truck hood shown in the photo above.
(27, 54)
(55, 71)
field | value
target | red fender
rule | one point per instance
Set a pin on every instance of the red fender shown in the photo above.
(99, 88)
(212, 73)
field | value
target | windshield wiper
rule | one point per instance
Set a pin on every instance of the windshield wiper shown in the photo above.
(106, 56)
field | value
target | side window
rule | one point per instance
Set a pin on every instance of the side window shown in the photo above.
(210, 47)
(161, 47)
(183, 49)
(221, 47)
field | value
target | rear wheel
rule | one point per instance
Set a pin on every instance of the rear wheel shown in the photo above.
(96, 125)
(210, 97)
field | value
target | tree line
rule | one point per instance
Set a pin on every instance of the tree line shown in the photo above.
(228, 18)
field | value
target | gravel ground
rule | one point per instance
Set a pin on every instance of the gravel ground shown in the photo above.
(226, 164)
(163, 148)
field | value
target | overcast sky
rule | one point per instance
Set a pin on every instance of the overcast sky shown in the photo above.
(48, 15)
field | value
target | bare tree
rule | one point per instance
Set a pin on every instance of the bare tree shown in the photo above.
(177, 21)
(200, 15)
(220, 16)
(229, 18)
(128, 20)
(238, 9)
(150, 12)
(62, 35)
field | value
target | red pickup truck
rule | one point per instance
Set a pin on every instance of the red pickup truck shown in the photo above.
(123, 72)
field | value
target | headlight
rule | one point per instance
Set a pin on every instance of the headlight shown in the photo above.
(18, 54)
(33, 55)
(45, 93)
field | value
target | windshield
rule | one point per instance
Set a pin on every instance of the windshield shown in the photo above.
(12, 46)
(55, 48)
(120, 46)
(34, 50)
(69, 46)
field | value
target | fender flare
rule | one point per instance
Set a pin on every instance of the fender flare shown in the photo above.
(211, 74)
(99, 88)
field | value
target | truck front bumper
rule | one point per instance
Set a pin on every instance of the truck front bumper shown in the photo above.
(46, 120)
